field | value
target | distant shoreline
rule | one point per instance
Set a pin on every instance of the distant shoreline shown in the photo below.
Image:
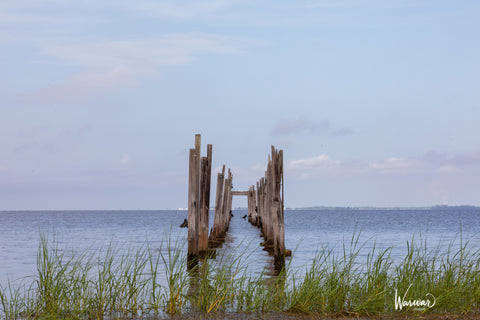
(316, 208)
(372, 208)
(436, 207)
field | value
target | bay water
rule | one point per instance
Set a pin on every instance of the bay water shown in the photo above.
(306, 232)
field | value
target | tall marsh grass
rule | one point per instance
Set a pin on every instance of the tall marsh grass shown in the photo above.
(146, 281)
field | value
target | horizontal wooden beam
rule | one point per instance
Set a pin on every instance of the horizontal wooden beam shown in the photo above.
(239, 193)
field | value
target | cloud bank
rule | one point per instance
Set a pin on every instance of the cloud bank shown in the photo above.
(110, 64)
(431, 163)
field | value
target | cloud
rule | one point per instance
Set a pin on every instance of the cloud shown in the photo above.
(108, 65)
(432, 163)
(321, 161)
(310, 167)
(396, 165)
(183, 10)
(303, 124)
(20, 19)
(324, 165)
(34, 11)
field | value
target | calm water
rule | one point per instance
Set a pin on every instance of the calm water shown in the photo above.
(305, 232)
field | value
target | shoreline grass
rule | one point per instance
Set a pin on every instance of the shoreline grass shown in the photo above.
(148, 282)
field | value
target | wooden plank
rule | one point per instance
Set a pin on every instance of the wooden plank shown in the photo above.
(239, 193)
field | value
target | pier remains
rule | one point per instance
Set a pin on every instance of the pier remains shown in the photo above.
(265, 204)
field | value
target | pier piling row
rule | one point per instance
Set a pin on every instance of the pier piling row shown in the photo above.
(265, 204)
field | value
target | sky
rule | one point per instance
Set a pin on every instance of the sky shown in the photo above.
(373, 102)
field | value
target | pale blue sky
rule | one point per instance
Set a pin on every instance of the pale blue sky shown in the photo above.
(375, 102)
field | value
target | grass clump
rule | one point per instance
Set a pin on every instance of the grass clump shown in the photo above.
(157, 282)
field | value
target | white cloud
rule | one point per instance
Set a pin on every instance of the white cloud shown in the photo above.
(321, 161)
(396, 165)
(310, 167)
(325, 165)
(166, 50)
(187, 9)
(112, 64)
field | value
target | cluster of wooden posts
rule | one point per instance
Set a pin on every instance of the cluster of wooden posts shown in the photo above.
(265, 206)
(199, 178)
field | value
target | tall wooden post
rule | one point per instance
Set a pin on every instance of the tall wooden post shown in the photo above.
(206, 169)
(254, 206)
(227, 203)
(192, 203)
(217, 220)
(278, 217)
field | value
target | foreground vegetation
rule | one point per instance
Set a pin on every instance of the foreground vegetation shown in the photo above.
(148, 282)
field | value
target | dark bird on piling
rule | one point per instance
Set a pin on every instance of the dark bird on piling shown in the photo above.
(184, 224)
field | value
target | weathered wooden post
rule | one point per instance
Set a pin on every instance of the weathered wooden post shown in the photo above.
(199, 176)
(259, 205)
(230, 200)
(192, 203)
(278, 214)
(267, 211)
(218, 218)
(251, 204)
(206, 171)
(227, 203)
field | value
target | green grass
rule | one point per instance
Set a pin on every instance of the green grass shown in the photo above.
(147, 281)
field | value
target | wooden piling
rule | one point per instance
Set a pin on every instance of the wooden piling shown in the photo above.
(204, 200)
(223, 204)
(268, 213)
(192, 203)
(227, 203)
(278, 214)
(217, 219)
(199, 176)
